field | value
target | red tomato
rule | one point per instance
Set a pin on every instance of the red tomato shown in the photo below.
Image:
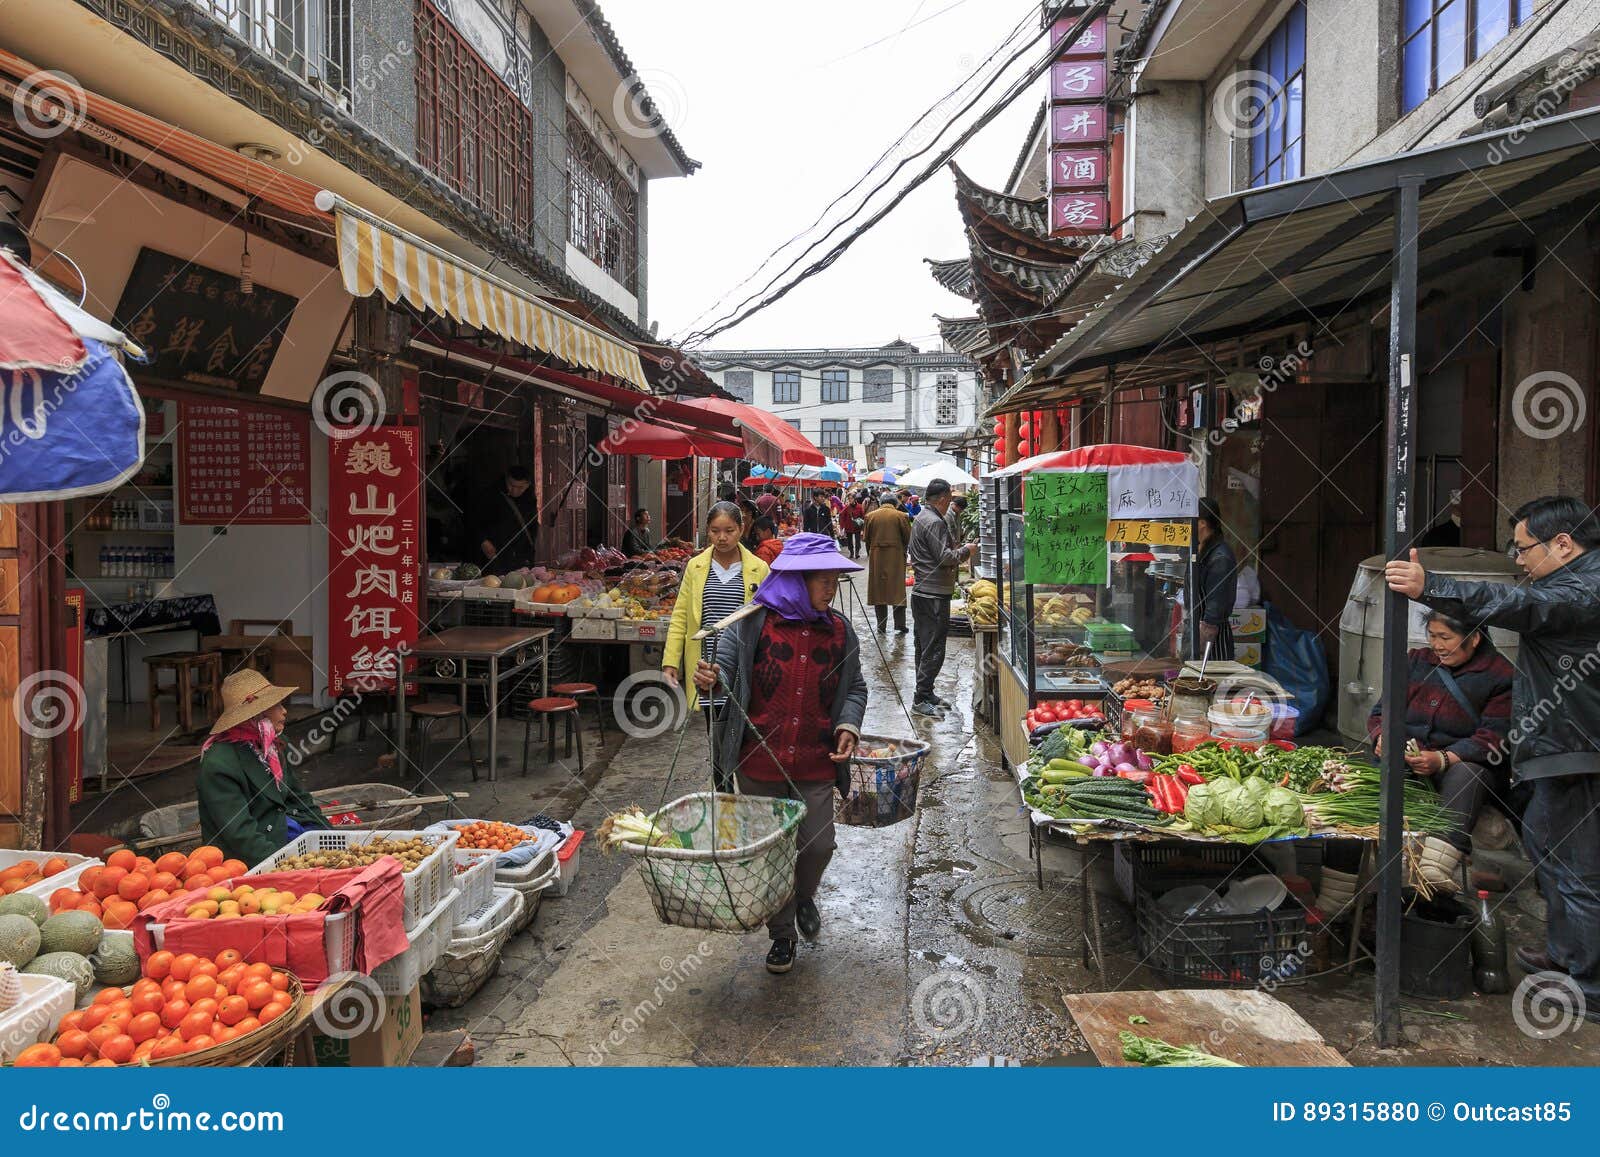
(1075, 703)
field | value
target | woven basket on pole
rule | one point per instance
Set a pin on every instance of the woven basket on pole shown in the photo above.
(730, 865)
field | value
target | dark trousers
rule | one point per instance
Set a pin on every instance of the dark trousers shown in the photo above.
(1561, 833)
(930, 617)
(854, 540)
(883, 617)
(814, 841)
(720, 776)
(1463, 788)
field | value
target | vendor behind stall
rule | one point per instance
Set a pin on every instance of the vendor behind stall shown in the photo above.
(251, 803)
(636, 539)
(1458, 714)
(1216, 582)
(508, 523)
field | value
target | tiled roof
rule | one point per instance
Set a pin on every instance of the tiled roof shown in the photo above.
(608, 38)
(967, 334)
(1038, 281)
(1028, 216)
(955, 274)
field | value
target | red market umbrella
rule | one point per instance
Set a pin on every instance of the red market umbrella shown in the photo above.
(767, 439)
(645, 439)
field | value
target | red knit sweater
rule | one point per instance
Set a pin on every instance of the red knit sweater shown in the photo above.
(794, 679)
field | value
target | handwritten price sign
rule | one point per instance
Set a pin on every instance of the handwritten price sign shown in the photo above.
(1064, 528)
(1147, 533)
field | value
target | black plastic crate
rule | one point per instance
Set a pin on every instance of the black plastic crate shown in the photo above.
(1228, 951)
(489, 613)
(1155, 867)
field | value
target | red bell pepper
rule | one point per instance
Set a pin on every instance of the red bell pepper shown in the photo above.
(1189, 775)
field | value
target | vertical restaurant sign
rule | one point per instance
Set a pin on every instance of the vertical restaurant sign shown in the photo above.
(374, 556)
(1064, 528)
(1080, 115)
(243, 465)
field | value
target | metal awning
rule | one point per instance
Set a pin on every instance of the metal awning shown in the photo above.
(376, 256)
(1308, 248)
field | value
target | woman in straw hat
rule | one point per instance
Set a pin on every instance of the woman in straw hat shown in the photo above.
(251, 804)
(792, 670)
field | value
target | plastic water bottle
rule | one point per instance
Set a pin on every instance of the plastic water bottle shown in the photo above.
(1488, 949)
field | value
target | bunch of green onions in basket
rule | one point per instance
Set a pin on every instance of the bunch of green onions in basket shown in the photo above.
(631, 826)
(1353, 804)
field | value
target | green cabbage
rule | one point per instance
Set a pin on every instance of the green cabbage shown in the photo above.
(1202, 807)
(1240, 809)
(1283, 809)
(1258, 789)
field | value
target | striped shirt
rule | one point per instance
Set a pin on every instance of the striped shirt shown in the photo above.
(723, 595)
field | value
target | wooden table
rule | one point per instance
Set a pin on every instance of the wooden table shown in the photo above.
(508, 651)
(1247, 1026)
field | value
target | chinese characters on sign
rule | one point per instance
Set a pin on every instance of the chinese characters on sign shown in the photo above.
(241, 464)
(197, 324)
(1159, 491)
(374, 557)
(1079, 115)
(1143, 532)
(1064, 528)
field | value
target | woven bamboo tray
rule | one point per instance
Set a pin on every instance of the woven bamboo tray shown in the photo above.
(247, 1050)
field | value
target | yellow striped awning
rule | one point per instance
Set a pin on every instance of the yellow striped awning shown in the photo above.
(376, 257)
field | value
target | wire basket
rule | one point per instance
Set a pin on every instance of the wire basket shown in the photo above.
(883, 788)
(732, 868)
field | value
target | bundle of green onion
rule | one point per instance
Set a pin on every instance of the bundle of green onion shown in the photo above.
(631, 826)
(1355, 804)
(1153, 1051)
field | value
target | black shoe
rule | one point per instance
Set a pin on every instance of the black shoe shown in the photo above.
(929, 708)
(781, 957)
(1531, 960)
(809, 919)
(902, 630)
(942, 701)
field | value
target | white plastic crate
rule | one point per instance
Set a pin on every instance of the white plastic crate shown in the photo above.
(472, 927)
(567, 862)
(467, 962)
(338, 939)
(534, 876)
(68, 879)
(429, 939)
(426, 885)
(45, 1000)
(474, 880)
(604, 630)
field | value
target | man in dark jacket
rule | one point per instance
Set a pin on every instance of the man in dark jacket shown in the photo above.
(817, 517)
(1216, 583)
(934, 561)
(508, 521)
(1555, 713)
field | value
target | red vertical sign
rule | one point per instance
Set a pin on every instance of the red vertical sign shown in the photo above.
(374, 555)
(1079, 115)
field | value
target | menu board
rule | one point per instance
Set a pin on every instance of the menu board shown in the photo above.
(1064, 528)
(242, 465)
(374, 556)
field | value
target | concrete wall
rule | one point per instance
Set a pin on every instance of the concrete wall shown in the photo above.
(383, 94)
(1166, 139)
(1351, 71)
(549, 151)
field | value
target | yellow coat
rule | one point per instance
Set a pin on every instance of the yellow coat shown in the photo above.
(683, 651)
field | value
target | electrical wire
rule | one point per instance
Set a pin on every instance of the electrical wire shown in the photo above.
(1085, 17)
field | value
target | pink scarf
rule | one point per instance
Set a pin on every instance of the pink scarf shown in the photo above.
(257, 735)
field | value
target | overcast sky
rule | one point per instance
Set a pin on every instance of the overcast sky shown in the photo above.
(785, 106)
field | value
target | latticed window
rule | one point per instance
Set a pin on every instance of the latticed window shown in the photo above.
(835, 434)
(741, 384)
(877, 384)
(602, 208)
(835, 385)
(472, 131)
(785, 387)
(946, 400)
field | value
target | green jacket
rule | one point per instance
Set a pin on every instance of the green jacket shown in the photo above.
(242, 809)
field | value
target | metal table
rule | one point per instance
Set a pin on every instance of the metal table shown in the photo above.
(507, 651)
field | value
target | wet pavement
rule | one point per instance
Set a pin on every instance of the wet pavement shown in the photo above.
(937, 947)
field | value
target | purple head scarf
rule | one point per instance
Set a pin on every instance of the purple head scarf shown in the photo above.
(785, 592)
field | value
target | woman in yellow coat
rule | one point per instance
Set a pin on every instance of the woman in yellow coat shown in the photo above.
(716, 582)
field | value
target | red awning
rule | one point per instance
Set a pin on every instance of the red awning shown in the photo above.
(645, 439)
(768, 440)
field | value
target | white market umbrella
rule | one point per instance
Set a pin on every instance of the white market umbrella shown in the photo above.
(919, 478)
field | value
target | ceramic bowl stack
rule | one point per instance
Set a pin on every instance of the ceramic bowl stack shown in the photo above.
(1338, 895)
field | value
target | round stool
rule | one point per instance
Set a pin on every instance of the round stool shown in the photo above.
(583, 692)
(549, 710)
(424, 716)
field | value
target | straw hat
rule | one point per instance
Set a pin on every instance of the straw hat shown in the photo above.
(246, 694)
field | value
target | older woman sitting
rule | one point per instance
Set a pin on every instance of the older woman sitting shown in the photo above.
(792, 671)
(1458, 711)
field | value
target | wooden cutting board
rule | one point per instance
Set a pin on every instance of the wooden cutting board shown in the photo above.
(1251, 1027)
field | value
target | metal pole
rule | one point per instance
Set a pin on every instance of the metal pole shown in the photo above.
(1400, 472)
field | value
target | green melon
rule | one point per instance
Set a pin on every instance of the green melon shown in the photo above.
(115, 961)
(76, 932)
(22, 904)
(19, 939)
(69, 966)
(468, 570)
(514, 582)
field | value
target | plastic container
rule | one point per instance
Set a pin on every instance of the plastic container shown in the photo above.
(1188, 734)
(1240, 736)
(474, 880)
(426, 884)
(67, 879)
(1131, 708)
(467, 962)
(567, 860)
(1243, 714)
(1436, 950)
(429, 939)
(1223, 949)
(1285, 719)
(338, 941)
(45, 1000)
(1152, 731)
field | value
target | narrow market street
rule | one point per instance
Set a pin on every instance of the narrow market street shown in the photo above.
(937, 945)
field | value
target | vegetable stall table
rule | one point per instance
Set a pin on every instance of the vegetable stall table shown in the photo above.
(475, 656)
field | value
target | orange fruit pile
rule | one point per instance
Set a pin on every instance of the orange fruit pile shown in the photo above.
(182, 1004)
(491, 835)
(25, 873)
(130, 883)
(247, 900)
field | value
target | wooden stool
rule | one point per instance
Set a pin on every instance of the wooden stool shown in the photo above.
(424, 716)
(193, 672)
(548, 710)
(584, 692)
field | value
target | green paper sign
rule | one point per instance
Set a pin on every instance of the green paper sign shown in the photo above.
(1064, 528)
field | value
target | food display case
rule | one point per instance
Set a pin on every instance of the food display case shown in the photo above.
(1068, 643)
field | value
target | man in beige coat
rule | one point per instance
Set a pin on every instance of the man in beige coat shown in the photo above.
(888, 536)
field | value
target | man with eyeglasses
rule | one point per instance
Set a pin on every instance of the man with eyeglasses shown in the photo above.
(1555, 714)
